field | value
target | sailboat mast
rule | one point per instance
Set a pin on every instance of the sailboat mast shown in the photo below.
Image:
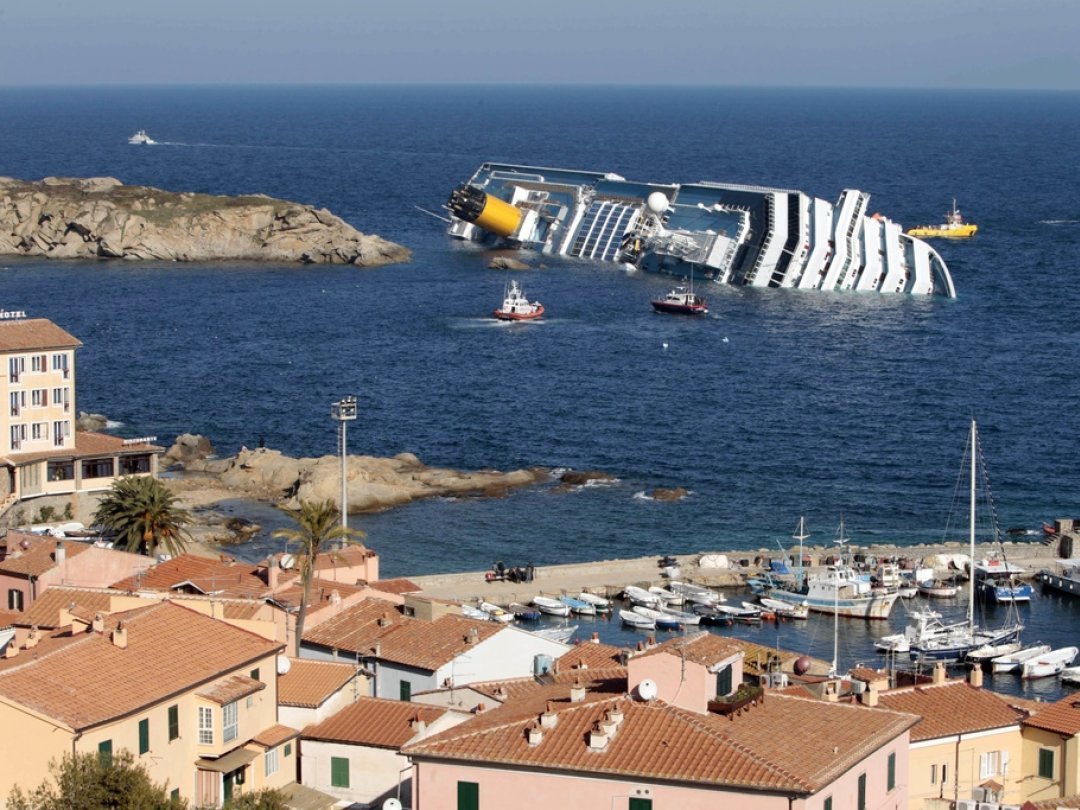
(971, 531)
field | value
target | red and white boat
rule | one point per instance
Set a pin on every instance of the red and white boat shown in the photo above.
(681, 301)
(516, 307)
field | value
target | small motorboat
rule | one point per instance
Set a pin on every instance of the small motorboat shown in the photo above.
(634, 619)
(1011, 662)
(599, 603)
(667, 597)
(684, 618)
(516, 307)
(681, 301)
(988, 652)
(640, 596)
(559, 632)
(578, 606)
(938, 588)
(711, 616)
(698, 594)
(1070, 675)
(785, 610)
(741, 614)
(141, 138)
(552, 607)
(662, 620)
(495, 613)
(470, 612)
(767, 614)
(524, 613)
(1048, 664)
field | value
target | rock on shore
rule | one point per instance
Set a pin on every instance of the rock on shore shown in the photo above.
(373, 483)
(99, 217)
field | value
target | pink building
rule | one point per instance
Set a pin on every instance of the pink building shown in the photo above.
(650, 742)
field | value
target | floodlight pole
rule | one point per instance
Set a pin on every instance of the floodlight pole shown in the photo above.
(343, 412)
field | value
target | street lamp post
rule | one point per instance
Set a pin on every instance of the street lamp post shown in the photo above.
(343, 412)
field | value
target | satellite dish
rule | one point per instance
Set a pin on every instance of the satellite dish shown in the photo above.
(283, 665)
(391, 804)
(647, 689)
(288, 561)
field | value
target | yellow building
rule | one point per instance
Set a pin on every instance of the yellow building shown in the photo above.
(1051, 757)
(194, 699)
(41, 452)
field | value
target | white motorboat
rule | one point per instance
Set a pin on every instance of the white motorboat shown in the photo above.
(1013, 661)
(516, 307)
(988, 652)
(681, 616)
(1048, 664)
(1070, 675)
(938, 588)
(495, 613)
(636, 620)
(141, 138)
(698, 594)
(552, 607)
(578, 606)
(599, 603)
(742, 614)
(661, 619)
(640, 596)
(668, 597)
(470, 612)
(787, 610)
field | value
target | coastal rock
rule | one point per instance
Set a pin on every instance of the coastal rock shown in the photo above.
(100, 217)
(576, 479)
(186, 449)
(373, 483)
(669, 494)
(507, 263)
(91, 422)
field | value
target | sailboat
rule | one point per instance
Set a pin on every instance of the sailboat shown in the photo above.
(963, 637)
(682, 300)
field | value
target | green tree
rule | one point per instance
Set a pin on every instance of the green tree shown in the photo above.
(144, 515)
(318, 527)
(265, 799)
(92, 782)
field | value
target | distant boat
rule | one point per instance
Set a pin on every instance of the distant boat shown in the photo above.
(682, 301)
(578, 606)
(662, 620)
(999, 581)
(1013, 661)
(954, 227)
(697, 594)
(785, 610)
(495, 613)
(938, 588)
(516, 307)
(636, 620)
(1066, 579)
(711, 615)
(560, 633)
(553, 607)
(640, 596)
(524, 613)
(599, 603)
(1047, 664)
(141, 137)
(667, 597)
(681, 616)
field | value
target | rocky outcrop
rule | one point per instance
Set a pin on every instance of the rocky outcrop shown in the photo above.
(187, 448)
(669, 494)
(373, 483)
(100, 217)
(91, 422)
(507, 263)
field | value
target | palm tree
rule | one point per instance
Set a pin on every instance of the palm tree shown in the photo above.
(318, 527)
(144, 515)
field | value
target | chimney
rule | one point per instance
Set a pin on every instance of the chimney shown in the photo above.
(99, 623)
(870, 696)
(272, 570)
(548, 719)
(975, 677)
(32, 638)
(11, 650)
(473, 636)
(535, 735)
(832, 691)
(418, 725)
(119, 636)
(384, 620)
(939, 673)
(577, 692)
(595, 638)
(60, 555)
(598, 740)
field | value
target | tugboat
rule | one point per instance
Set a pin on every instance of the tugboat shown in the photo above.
(516, 307)
(954, 227)
(141, 137)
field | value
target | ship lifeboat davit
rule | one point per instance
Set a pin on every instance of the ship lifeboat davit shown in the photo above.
(484, 211)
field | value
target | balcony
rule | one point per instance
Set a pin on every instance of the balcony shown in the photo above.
(745, 695)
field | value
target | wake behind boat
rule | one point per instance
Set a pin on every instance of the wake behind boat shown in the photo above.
(516, 307)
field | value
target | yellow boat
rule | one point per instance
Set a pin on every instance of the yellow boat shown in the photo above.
(954, 227)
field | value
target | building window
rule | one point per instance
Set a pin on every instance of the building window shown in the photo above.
(827, 805)
(16, 366)
(61, 430)
(144, 735)
(134, 465)
(97, 468)
(61, 471)
(175, 795)
(339, 772)
(38, 363)
(288, 749)
(891, 783)
(933, 774)
(723, 681)
(640, 804)
(255, 674)
(944, 773)
(174, 723)
(405, 691)
(988, 764)
(206, 726)
(60, 363)
(468, 796)
(39, 397)
(230, 721)
(104, 750)
(1046, 763)
(39, 431)
(862, 792)
(15, 599)
(271, 762)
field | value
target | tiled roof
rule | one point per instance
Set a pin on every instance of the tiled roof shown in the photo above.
(1052, 804)
(703, 648)
(374, 722)
(45, 611)
(200, 574)
(348, 557)
(275, 735)
(590, 655)
(88, 680)
(308, 684)
(34, 333)
(39, 558)
(954, 707)
(400, 586)
(9, 617)
(322, 593)
(1062, 717)
(232, 688)
(659, 741)
(401, 639)
(88, 444)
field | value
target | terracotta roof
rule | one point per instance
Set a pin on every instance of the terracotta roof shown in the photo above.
(657, 741)
(275, 735)
(1052, 804)
(590, 655)
(201, 575)
(352, 555)
(88, 680)
(88, 444)
(45, 611)
(34, 333)
(322, 593)
(400, 586)
(374, 722)
(401, 639)
(1062, 717)
(308, 684)
(954, 707)
(703, 648)
(9, 617)
(39, 558)
(232, 688)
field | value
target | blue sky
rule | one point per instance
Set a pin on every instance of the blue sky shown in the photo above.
(905, 43)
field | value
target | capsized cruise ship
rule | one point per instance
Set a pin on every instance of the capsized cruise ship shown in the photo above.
(733, 234)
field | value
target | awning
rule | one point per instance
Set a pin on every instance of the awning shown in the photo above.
(232, 761)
